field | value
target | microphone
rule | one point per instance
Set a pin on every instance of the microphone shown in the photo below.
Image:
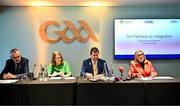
(121, 70)
(105, 70)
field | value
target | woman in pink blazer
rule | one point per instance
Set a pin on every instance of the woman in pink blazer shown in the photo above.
(141, 67)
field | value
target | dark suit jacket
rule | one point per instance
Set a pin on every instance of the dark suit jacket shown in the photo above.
(87, 66)
(22, 67)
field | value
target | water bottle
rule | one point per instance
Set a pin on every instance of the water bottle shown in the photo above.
(105, 72)
(45, 75)
(84, 76)
(111, 71)
(41, 73)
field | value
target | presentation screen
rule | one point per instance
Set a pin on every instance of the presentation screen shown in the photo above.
(158, 38)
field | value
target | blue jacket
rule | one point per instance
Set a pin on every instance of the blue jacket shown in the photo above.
(87, 67)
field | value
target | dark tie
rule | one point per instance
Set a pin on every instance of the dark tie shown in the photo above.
(17, 67)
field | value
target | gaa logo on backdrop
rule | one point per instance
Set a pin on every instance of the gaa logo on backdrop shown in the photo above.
(62, 34)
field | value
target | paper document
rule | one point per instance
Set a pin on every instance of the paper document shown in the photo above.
(145, 78)
(1, 81)
(111, 78)
(163, 77)
(8, 81)
(55, 78)
(94, 79)
(66, 78)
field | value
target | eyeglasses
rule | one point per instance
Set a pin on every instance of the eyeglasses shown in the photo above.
(140, 55)
(58, 58)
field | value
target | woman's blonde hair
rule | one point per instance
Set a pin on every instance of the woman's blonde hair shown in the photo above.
(136, 54)
(54, 55)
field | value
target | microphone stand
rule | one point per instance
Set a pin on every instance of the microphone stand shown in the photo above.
(122, 77)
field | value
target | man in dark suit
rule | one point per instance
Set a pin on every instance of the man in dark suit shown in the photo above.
(94, 67)
(15, 67)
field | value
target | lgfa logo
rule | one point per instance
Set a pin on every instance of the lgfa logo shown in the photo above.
(62, 34)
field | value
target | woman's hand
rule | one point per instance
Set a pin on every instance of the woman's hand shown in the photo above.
(55, 74)
(61, 74)
(139, 75)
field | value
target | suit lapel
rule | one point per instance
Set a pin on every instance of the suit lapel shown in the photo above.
(90, 65)
(98, 64)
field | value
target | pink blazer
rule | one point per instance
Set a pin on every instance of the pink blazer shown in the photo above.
(136, 68)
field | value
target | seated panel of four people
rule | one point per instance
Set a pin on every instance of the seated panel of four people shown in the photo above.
(92, 67)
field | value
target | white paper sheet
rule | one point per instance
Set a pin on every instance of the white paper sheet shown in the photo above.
(66, 78)
(8, 81)
(163, 77)
(1, 81)
(145, 78)
(55, 78)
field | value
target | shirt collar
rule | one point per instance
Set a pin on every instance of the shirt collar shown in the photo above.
(93, 61)
(145, 62)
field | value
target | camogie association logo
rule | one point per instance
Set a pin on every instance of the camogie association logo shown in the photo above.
(62, 34)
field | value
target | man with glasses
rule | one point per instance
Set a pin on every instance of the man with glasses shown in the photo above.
(16, 66)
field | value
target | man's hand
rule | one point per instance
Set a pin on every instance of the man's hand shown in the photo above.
(8, 76)
(11, 75)
(89, 76)
(5, 76)
(99, 76)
